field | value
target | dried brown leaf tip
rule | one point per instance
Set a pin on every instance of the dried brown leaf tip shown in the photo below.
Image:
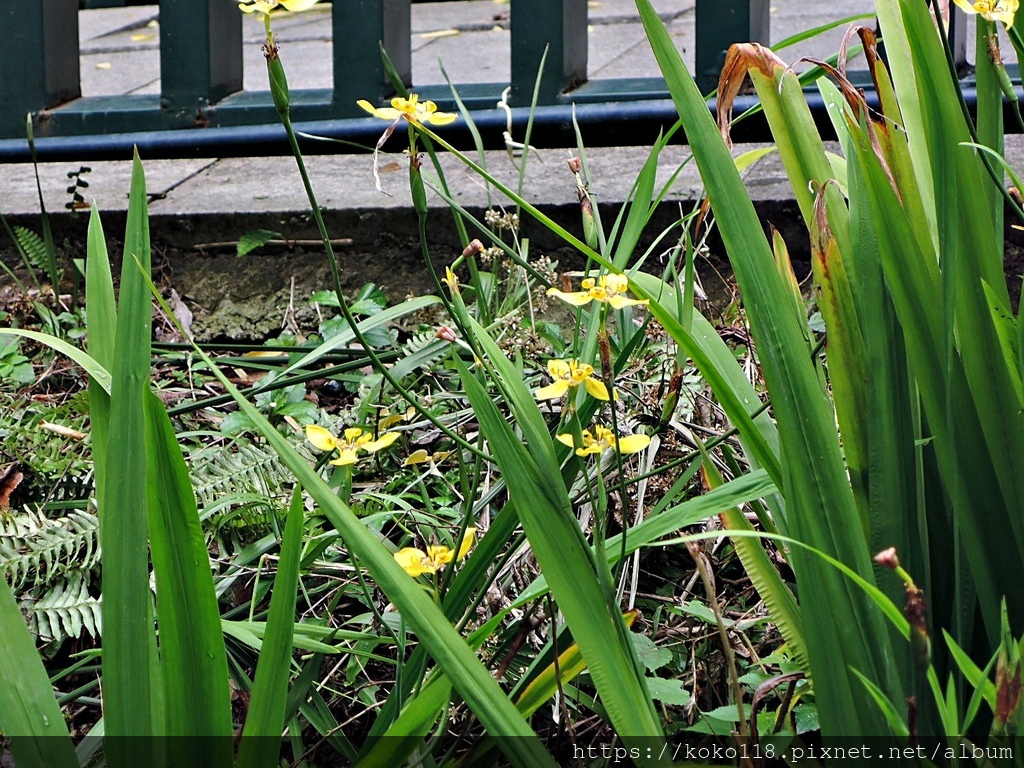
(10, 478)
(739, 60)
(1008, 690)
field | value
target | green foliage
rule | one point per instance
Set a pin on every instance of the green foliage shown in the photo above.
(38, 551)
(14, 366)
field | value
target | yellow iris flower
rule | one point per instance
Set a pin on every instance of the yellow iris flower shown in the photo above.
(607, 289)
(350, 444)
(266, 6)
(416, 562)
(412, 109)
(569, 374)
(603, 438)
(991, 10)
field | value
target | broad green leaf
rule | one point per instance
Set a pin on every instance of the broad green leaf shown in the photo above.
(253, 239)
(101, 327)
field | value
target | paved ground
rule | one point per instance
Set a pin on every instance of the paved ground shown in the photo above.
(120, 55)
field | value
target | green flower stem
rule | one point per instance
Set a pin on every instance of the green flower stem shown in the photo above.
(375, 361)
(344, 473)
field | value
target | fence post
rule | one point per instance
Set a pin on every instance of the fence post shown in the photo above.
(38, 59)
(360, 28)
(200, 54)
(720, 23)
(559, 25)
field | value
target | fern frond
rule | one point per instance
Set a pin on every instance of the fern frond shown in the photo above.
(32, 245)
(35, 549)
(248, 469)
(65, 610)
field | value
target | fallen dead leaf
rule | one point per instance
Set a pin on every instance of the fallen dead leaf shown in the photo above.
(439, 33)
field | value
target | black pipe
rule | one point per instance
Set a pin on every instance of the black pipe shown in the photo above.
(623, 123)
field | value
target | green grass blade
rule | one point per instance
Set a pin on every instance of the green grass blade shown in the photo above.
(192, 652)
(129, 694)
(28, 707)
(266, 715)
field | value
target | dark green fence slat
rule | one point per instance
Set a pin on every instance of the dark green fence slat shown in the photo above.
(38, 59)
(559, 25)
(720, 23)
(360, 28)
(200, 54)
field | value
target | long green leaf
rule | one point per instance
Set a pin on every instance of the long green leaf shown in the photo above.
(130, 696)
(838, 618)
(192, 653)
(89, 364)
(101, 329)
(270, 688)
(746, 488)
(28, 709)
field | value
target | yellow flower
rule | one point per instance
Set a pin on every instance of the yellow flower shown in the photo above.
(603, 438)
(568, 374)
(420, 113)
(416, 562)
(348, 447)
(991, 10)
(607, 289)
(451, 280)
(266, 6)
(422, 457)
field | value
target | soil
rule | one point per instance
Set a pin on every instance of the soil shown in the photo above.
(254, 297)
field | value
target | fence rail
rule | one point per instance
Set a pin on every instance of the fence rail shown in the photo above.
(202, 108)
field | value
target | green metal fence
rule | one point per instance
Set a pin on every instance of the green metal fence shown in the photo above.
(201, 72)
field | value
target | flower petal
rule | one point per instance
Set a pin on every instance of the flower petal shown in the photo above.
(372, 446)
(466, 543)
(552, 390)
(413, 561)
(596, 388)
(321, 438)
(258, 6)
(346, 456)
(559, 369)
(439, 555)
(440, 118)
(633, 443)
(298, 5)
(386, 113)
(565, 439)
(417, 457)
(618, 302)
(576, 299)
